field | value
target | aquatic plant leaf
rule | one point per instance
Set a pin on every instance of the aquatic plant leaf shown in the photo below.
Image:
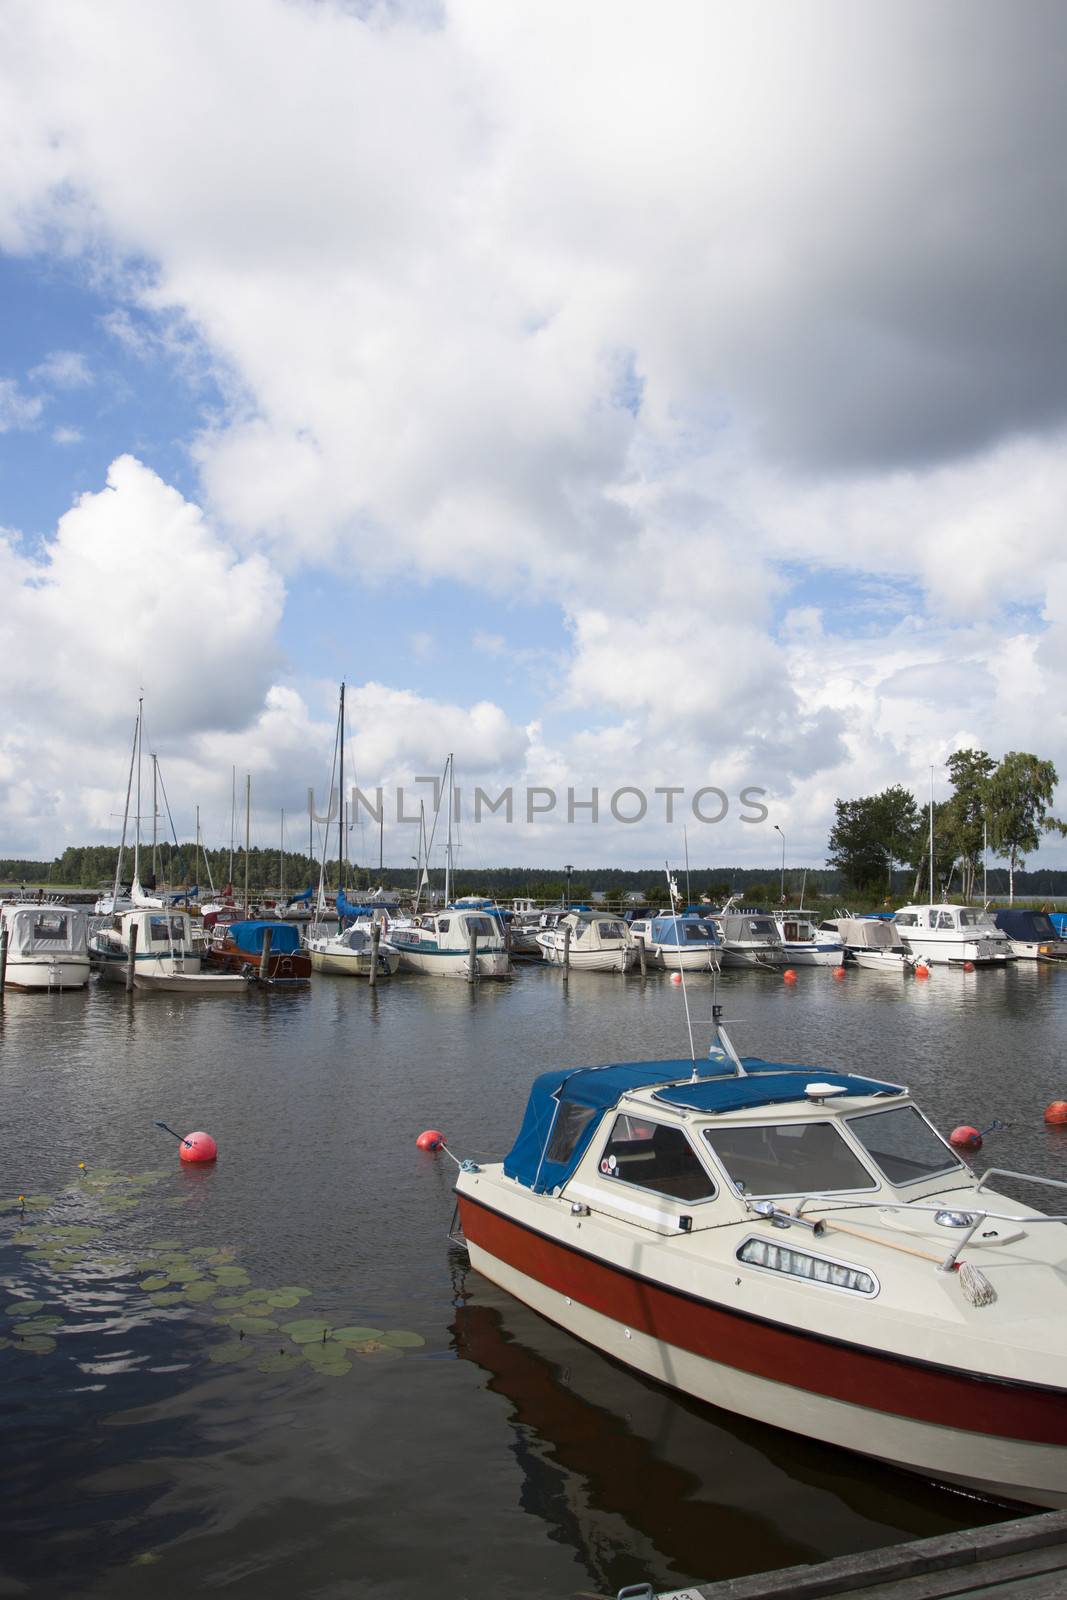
(164, 1244)
(39, 1345)
(290, 1288)
(205, 1250)
(29, 1202)
(327, 1357)
(281, 1361)
(120, 1202)
(233, 1350)
(231, 1302)
(24, 1308)
(26, 1330)
(198, 1294)
(185, 1274)
(252, 1325)
(158, 1281)
(169, 1297)
(231, 1277)
(402, 1339)
(354, 1336)
(281, 1301)
(220, 1256)
(28, 1236)
(70, 1235)
(306, 1329)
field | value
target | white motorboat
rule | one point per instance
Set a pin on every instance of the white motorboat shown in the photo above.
(1032, 934)
(676, 943)
(873, 943)
(169, 947)
(350, 952)
(804, 944)
(750, 939)
(47, 945)
(953, 935)
(589, 941)
(914, 1314)
(439, 943)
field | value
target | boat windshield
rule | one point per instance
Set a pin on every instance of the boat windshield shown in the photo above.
(976, 919)
(903, 1145)
(788, 1158)
(700, 933)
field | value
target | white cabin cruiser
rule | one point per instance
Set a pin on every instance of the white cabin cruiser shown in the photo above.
(806, 945)
(169, 954)
(873, 943)
(589, 941)
(913, 1314)
(47, 945)
(953, 935)
(439, 943)
(677, 943)
(750, 939)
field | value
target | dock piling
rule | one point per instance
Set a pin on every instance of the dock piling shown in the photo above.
(264, 959)
(3, 964)
(642, 957)
(131, 957)
(472, 953)
(375, 940)
(566, 952)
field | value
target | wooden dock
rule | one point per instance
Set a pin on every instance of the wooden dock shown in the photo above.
(1021, 1560)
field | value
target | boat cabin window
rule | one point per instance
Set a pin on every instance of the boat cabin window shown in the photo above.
(906, 919)
(442, 924)
(903, 1145)
(166, 930)
(976, 919)
(788, 1158)
(484, 927)
(699, 932)
(571, 1122)
(612, 930)
(651, 1155)
(762, 928)
(50, 925)
(944, 919)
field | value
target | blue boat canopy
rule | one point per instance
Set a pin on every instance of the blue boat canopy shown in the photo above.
(563, 1111)
(1025, 924)
(248, 936)
(1059, 922)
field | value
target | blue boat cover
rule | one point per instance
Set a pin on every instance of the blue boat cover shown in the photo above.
(601, 1088)
(1059, 922)
(347, 909)
(300, 899)
(248, 936)
(1025, 924)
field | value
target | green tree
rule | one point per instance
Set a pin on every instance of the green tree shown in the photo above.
(1020, 796)
(871, 834)
(964, 815)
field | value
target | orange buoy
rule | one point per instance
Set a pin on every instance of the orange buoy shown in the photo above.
(922, 970)
(789, 976)
(838, 972)
(1056, 1112)
(676, 977)
(966, 1137)
(431, 1139)
(968, 966)
(198, 1147)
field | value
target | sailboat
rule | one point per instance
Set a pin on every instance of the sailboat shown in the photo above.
(350, 951)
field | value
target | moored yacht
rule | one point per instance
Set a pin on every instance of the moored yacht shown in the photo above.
(168, 953)
(674, 942)
(750, 939)
(1032, 934)
(47, 945)
(440, 944)
(913, 1314)
(589, 941)
(872, 943)
(953, 935)
(804, 944)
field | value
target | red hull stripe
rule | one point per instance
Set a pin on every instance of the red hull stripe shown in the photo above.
(873, 1379)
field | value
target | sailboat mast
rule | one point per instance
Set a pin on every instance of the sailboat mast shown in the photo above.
(196, 878)
(233, 818)
(125, 816)
(281, 858)
(341, 797)
(248, 833)
(155, 818)
(137, 833)
(931, 835)
(448, 845)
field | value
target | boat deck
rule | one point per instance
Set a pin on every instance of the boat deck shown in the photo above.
(1025, 1559)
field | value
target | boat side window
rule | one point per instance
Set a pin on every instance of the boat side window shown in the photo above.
(800, 1264)
(484, 927)
(651, 1155)
(906, 919)
(49, 925)
(903, 1144)
(788, 1158)
(442, 924)
(612, 930)
(945, 919)
(762, 928)
(571, 1122)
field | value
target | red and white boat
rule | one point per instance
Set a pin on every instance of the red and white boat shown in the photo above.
(794, 1245)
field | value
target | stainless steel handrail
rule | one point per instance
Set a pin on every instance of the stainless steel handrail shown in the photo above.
(1027, 1177)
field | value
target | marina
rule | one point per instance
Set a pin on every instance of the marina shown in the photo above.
(134, 1444)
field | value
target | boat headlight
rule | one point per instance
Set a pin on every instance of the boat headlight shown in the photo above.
(954, 1219)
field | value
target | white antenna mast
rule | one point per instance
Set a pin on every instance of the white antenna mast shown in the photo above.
(681, 967)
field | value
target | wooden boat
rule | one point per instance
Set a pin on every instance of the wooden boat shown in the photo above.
(798, 1246)
(237, 947)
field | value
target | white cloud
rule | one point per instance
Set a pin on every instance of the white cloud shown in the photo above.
(63, 369)
(67, 435)
(17, 410)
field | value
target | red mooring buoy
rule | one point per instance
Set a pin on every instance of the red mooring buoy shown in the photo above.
(838, 972)
(922, 971)
(431, 1139)
(968, 966)
(1056, 1112)
(676, 977)
(198, 1147)
(966, 1138)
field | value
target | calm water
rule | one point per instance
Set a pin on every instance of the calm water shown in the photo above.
(497, 1457)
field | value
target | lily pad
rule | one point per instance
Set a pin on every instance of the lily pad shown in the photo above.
(39, 1345)
(232, 1277)
(355, 1336)
(231, 1302)
(206, 1250)
(28, 1202)
(158, 1281)
(120, 1202)
(306, 1330)
(24, 1308)
(402, 1339)
(292, 1288)
(169, 1297)
(234, 1350)
(164, 1244)
(198, 1294)
(327, 1360)
(252, 1325)
(281, 1361)
(34, 1325)
(375, 1350)
(71, 1235)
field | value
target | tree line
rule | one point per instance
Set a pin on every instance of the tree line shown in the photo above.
(1003, 807)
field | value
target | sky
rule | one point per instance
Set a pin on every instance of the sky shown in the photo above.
(623, 398)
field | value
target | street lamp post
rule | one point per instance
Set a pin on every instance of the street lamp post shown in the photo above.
(568, 870)
(778, 830)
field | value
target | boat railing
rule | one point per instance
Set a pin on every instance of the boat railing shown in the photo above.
(964, 1218)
